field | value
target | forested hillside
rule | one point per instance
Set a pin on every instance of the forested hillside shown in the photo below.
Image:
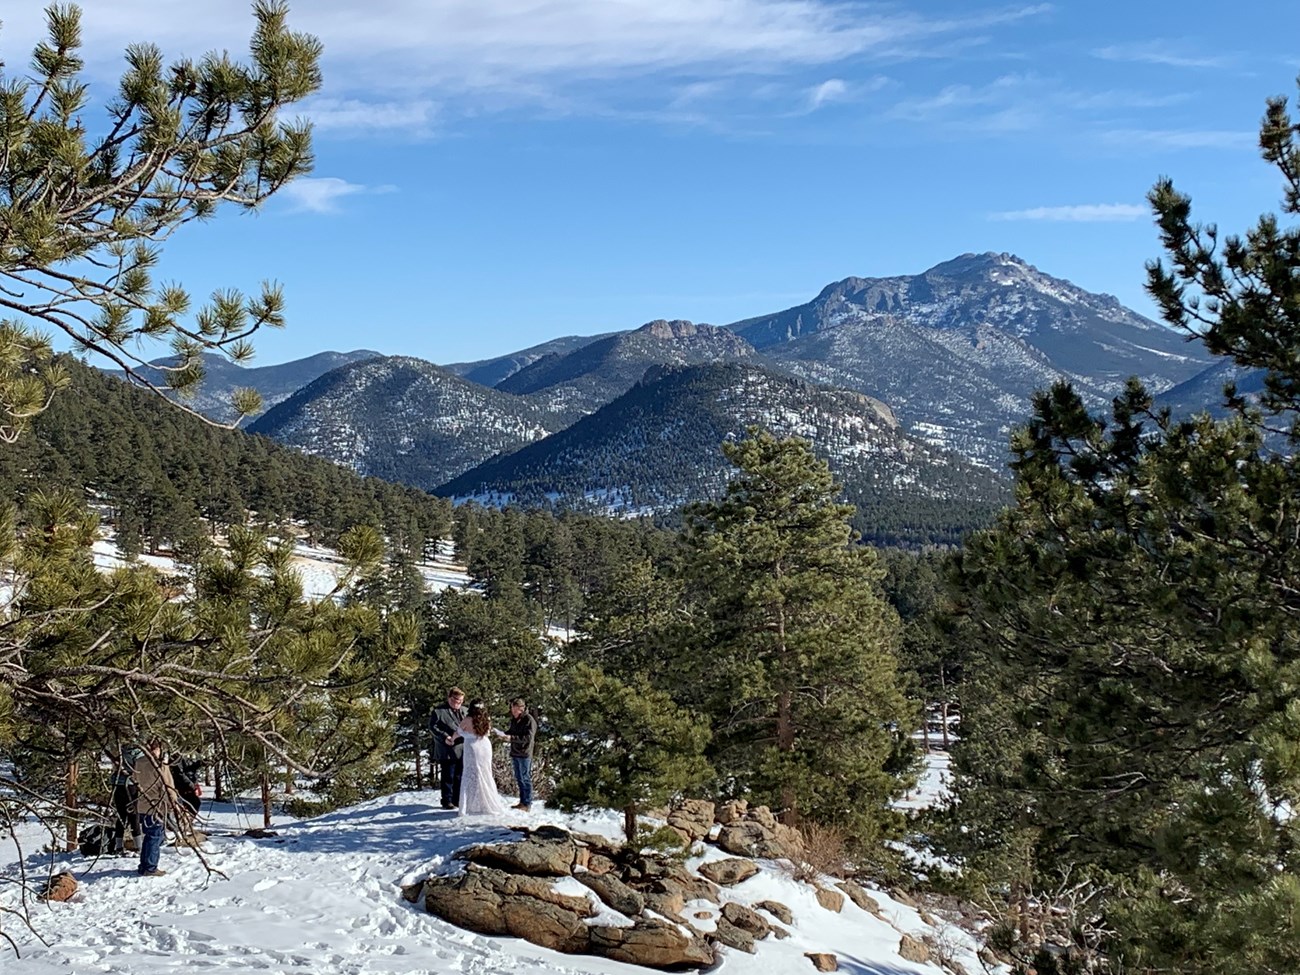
(161, 471)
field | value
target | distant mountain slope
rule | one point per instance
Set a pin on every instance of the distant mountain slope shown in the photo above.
(404, 419)
(1204, 391)
(587, 378)
(657, 447)
(489, 372)
(958, 349)
(274, 382)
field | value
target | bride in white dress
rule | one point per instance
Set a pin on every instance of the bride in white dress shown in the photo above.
(478, 789)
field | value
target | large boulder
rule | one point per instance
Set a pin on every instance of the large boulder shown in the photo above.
(823, 961)
(730, 871)
(913, 949)
(548, 851)
(613, 892)
(859, 896)
(733, 937)
(747, 920)
(760, 835)
(732, 811)
(654, 944)
(832, 900)
(777, 910)
(694, 817)
(491, 901)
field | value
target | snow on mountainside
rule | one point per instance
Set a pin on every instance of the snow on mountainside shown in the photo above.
(587, 378)
(274, 382)
(958, 349)
(657, 447)
(404, 419)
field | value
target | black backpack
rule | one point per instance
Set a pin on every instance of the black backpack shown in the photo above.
(92, 841)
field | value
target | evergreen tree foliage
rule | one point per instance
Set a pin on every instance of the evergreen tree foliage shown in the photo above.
(624, 745)
(83, 208)
(795, 662)
(1133, 714)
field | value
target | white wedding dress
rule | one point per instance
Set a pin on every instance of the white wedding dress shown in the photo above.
(478, 789)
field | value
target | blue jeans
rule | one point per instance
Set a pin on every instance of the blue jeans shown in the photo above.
(524, 776)
(151, 845)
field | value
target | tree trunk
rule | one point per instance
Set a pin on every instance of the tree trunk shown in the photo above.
(419, 758)
(288, 782)
(218, 793)
(70, 804)
(943, 705)
(266, 798)
(629, 822)
(785, 730)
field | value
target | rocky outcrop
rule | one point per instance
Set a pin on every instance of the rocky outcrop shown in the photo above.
(546, 852)
(613, 892)
(693, 818)
(822, 961)
(654, 944)
(758, 834)
(729, 872)
(491, 901)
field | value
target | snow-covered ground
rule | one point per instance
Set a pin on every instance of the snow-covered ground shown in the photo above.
(318, 567)
(324, 896)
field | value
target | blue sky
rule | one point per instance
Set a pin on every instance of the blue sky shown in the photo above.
(494, 173)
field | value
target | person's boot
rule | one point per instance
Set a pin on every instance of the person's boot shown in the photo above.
(133, 844)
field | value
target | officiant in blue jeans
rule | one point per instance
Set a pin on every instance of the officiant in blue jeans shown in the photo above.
(522, 734)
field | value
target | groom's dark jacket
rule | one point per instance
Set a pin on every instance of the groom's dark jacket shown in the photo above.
(445, 720)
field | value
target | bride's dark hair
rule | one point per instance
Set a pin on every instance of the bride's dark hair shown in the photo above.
(482, 722)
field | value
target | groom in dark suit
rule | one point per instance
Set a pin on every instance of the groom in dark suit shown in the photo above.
(448, 746)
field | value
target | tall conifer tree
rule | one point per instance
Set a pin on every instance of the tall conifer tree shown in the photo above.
(796, 660)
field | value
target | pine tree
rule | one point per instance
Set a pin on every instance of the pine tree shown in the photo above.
(1136, 616)
(625, 745)
(179, 140)
(796, 662)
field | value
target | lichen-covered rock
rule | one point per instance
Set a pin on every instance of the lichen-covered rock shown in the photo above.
(654, 944)
(777, 910)
(599, 863)
(913, 949)
(613, 892)
(730, 871)
(859, 896)
(694, 817)
(832, 900)
(491, 901)
(548, 851)
(760, 835)
(732, 811)
(748, 920)
(733, 937)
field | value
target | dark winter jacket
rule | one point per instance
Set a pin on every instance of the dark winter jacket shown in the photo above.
(445, 721)
(523, 733)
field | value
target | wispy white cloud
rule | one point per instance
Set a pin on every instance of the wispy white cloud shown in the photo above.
(831, 90)
(465, 46)
(1163, 53)
(1079, 213)
(355, 114)
(321, 194)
